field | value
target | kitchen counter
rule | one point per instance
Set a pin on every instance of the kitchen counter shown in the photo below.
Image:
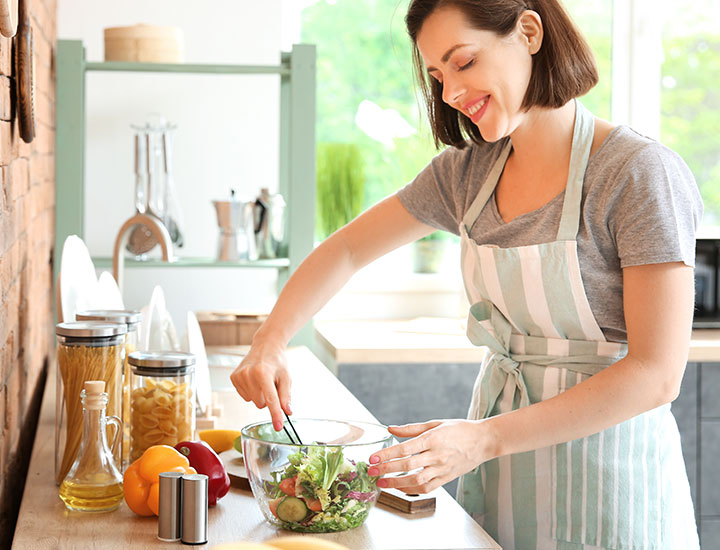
(44, 523)
(434, 340)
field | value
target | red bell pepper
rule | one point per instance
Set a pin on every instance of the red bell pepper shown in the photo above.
(206, 461)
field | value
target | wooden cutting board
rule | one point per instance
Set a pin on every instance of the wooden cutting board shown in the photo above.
(410, 504)
(235, 467)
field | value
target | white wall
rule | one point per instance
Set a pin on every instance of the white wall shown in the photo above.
(227, 135)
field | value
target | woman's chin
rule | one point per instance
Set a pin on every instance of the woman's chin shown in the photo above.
(491, 135)
(490, 129)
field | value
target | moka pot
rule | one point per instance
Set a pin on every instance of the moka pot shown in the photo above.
(236, 240)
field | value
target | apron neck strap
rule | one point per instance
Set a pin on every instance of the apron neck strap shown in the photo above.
(583, 134)
(487, 188)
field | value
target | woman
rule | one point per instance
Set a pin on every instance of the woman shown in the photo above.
(577, 255)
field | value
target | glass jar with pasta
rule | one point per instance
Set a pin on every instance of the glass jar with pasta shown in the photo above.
(162, 399)
(131, 318)
(87, 350)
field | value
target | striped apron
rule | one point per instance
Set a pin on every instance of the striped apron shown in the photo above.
(625, 487)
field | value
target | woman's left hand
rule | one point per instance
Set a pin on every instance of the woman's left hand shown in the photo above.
(440, 451)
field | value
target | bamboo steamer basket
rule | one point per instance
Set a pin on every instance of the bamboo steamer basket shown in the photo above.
(144, 43)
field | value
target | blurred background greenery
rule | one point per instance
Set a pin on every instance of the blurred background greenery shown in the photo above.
(365, 78)
(340, 186)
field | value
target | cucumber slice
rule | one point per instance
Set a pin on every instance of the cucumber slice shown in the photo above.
(291, 509)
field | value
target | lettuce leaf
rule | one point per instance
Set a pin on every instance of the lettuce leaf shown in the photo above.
(333, 464)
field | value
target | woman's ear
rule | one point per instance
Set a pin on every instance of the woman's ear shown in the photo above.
(530, 27)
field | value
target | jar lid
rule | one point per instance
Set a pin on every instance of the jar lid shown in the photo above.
(161, 359)
(130, 317)
(85, 329)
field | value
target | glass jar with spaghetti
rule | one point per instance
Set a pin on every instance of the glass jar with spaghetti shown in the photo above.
(162, 399)
(132, 319)
(87, 350)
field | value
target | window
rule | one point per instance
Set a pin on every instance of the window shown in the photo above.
(690, 94)
(365, 92)
(596, 23)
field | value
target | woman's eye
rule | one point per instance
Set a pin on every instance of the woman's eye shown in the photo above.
(466, 66)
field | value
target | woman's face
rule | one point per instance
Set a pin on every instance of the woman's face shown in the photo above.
(483, 75)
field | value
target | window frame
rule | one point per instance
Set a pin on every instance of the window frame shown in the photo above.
(637, 65)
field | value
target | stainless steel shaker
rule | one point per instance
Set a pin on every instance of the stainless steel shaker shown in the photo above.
(194, 528)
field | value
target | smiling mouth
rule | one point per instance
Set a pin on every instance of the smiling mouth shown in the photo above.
(475, 108)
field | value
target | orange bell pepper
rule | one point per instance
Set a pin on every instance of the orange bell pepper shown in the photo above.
(141, 482)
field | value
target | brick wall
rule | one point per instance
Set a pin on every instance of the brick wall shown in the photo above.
(27, 220)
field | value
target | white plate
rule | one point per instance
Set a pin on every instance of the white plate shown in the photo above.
(147, 336)
(157, 330)
(78, 282)
(195, 344)
(156, 316)
(108, 293)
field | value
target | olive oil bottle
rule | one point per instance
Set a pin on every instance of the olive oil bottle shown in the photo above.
(94, 483)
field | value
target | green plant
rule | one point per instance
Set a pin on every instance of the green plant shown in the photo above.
(340, 186)
(436, 236)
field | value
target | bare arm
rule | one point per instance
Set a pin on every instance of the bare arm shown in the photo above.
(262, 376)
(658, 302)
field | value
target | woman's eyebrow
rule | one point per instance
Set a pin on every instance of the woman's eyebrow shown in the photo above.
(447, 55)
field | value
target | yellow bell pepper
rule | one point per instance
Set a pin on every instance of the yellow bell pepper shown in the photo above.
(141, 482)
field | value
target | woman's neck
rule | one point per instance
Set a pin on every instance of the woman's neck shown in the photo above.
(537, 168)
(542, 143)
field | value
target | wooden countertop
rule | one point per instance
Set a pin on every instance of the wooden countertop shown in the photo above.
(44, 523)
(434, 340)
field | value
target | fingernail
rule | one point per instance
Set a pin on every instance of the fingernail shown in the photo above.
(381, 483)
(374, 459)
(373, 472)
(278, 426)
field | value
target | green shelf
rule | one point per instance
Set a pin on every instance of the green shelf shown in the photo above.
(124, 66)
(276, 263)
(296, 177)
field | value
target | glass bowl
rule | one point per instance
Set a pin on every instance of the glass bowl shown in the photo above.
(321, 486)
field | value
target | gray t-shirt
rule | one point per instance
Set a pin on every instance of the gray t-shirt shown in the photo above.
(641, 205)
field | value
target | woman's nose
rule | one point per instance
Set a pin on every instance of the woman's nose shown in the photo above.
(453, 90)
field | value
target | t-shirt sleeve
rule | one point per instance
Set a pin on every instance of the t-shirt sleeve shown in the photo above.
(655, 209)
(436, 194)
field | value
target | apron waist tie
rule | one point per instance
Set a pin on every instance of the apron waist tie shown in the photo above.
(487, 326)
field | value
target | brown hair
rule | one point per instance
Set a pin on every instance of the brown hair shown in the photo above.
(563, 68)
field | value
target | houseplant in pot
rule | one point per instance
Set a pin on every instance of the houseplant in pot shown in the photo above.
(429, 252)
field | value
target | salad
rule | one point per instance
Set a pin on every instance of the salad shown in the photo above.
(320, 491)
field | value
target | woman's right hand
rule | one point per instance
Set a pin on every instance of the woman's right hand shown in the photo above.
(262, 377)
